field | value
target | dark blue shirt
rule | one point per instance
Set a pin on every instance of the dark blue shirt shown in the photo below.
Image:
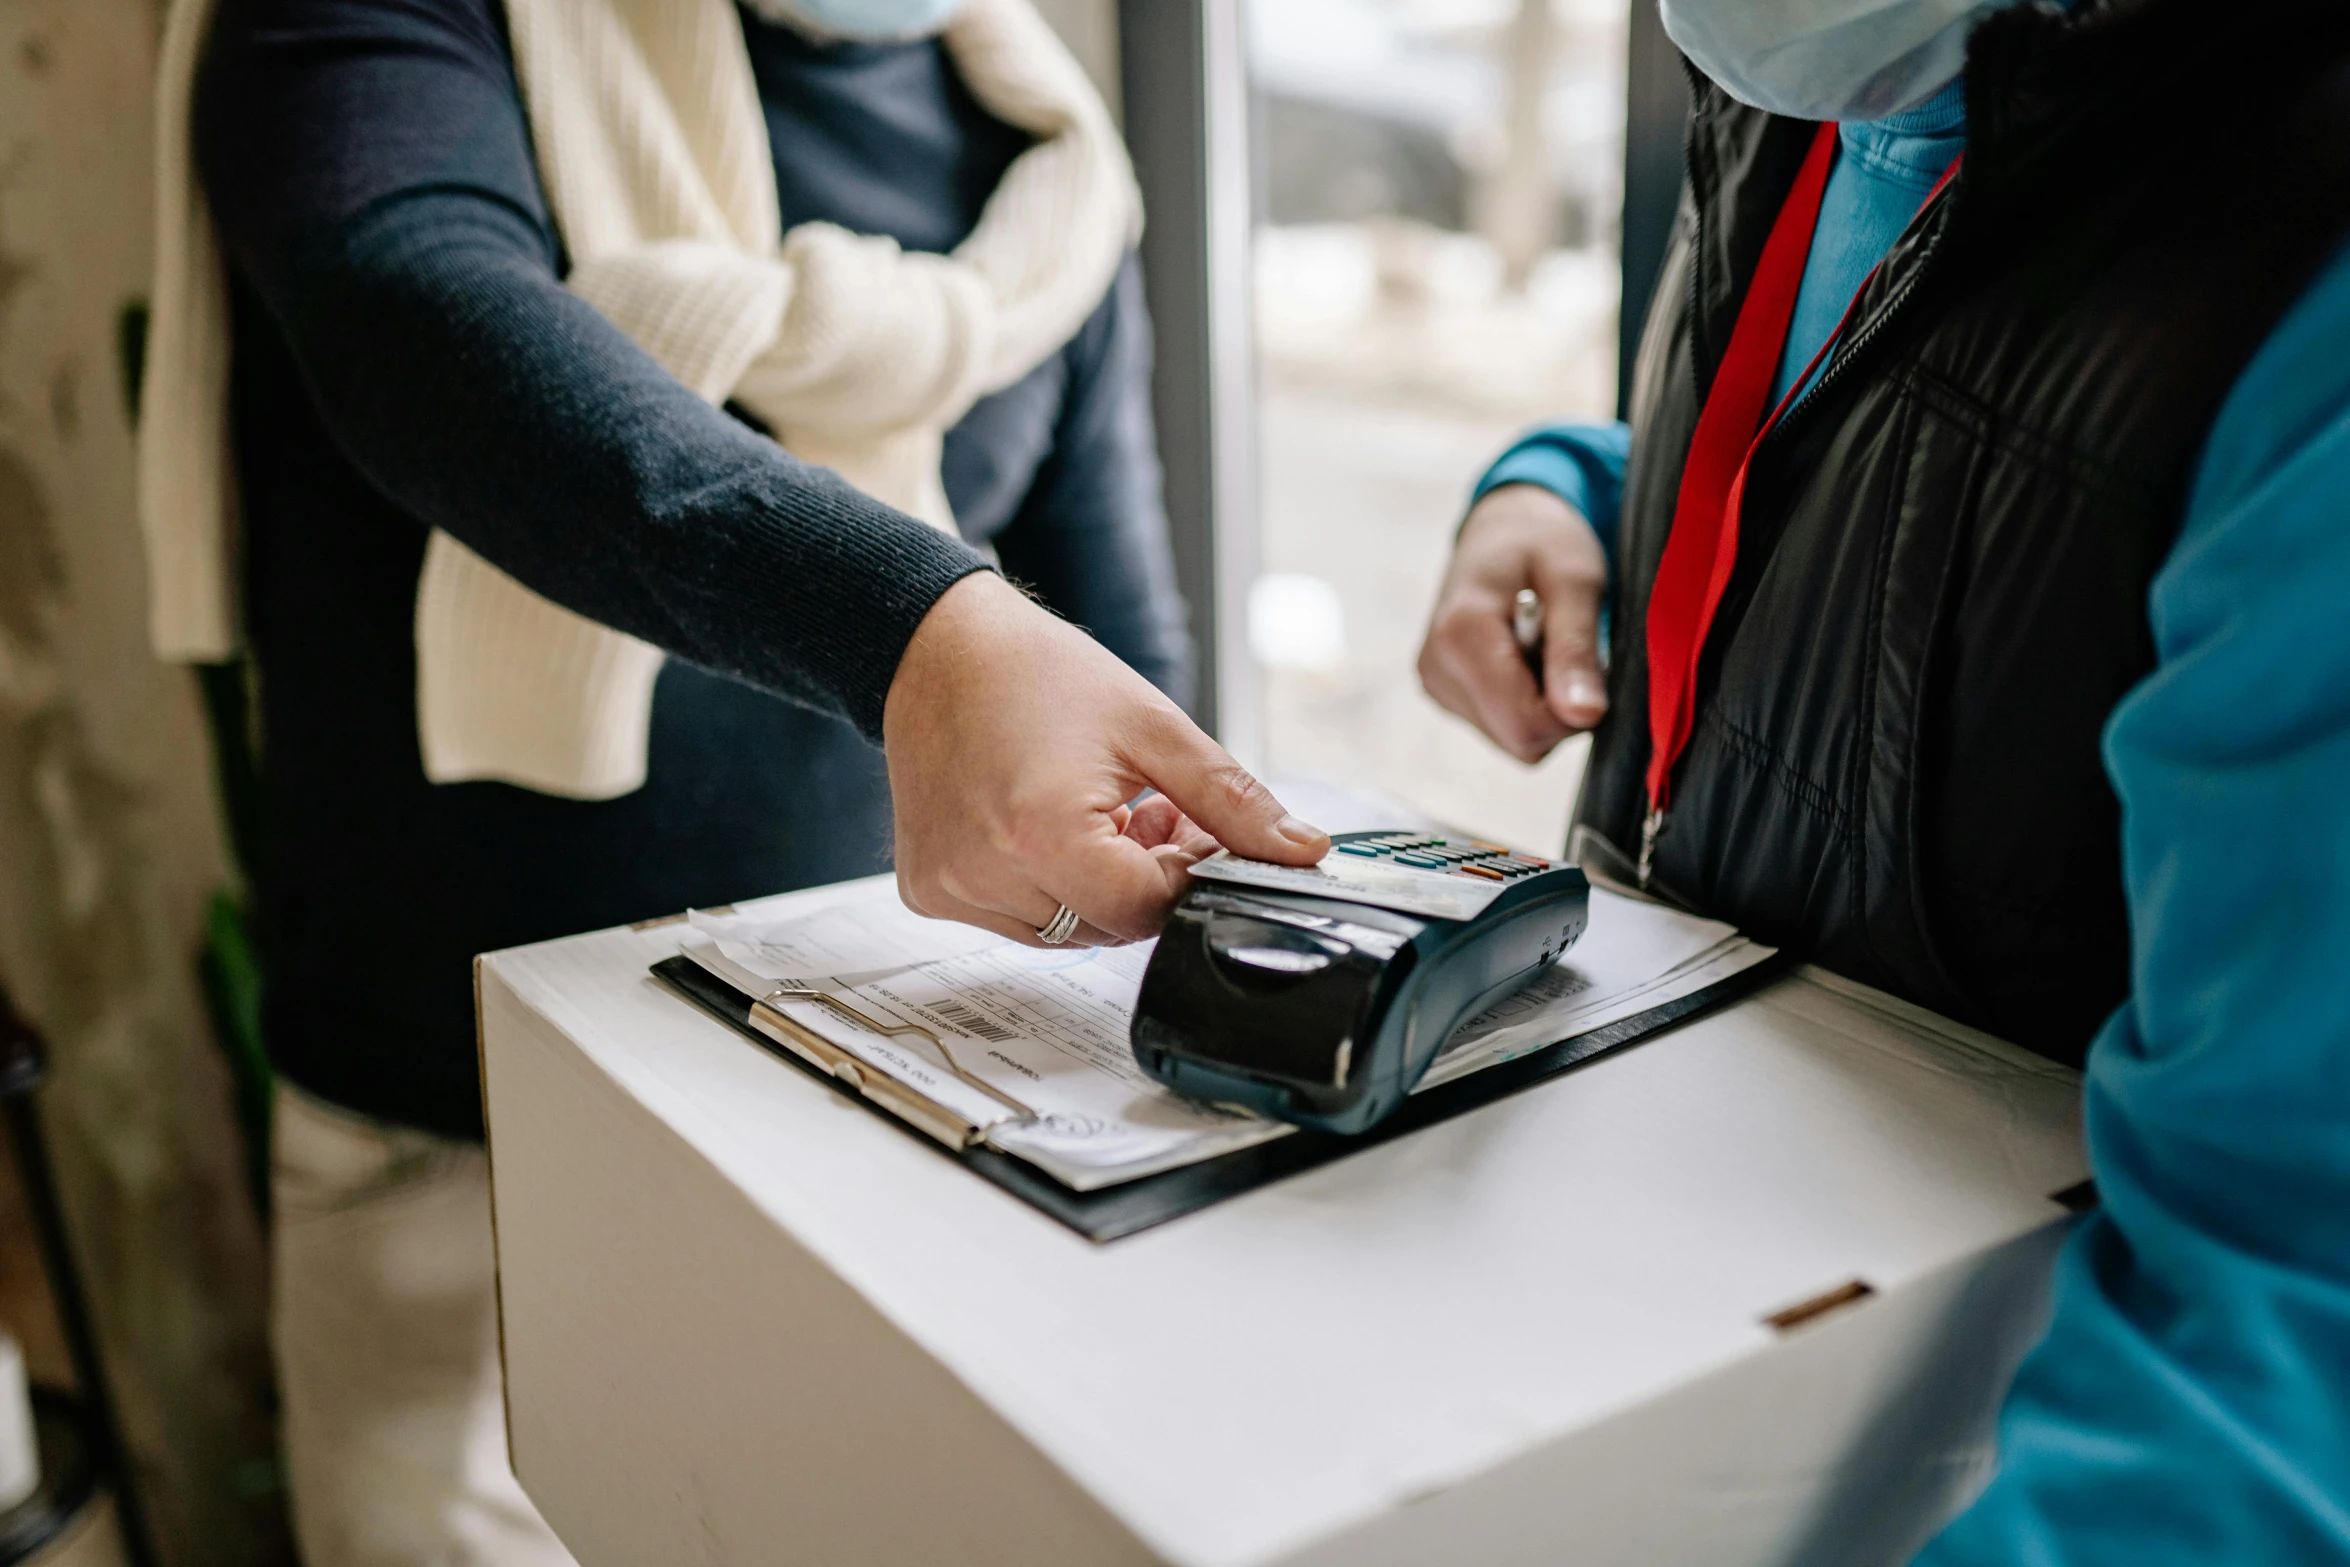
(407, 358)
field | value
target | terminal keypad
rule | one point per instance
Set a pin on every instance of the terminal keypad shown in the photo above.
(1447, 856)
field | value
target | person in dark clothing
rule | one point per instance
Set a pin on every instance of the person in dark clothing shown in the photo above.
(405, 358)
(2003, 668)
(745, 793)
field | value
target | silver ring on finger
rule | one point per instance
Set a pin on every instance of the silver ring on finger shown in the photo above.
(1059, 928)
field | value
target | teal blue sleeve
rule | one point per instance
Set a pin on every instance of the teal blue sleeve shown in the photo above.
(2191, 1401)
(1582, 464)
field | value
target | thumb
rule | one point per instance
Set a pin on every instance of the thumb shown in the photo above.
(1572, 686)
(1224, 797)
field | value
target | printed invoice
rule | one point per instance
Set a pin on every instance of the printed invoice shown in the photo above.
(1046, 1028)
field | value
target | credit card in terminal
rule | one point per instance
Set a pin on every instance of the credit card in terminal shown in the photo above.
(1320, 994)
(1427, 874)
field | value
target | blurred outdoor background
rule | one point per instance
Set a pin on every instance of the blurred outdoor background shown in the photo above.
(1436, 268)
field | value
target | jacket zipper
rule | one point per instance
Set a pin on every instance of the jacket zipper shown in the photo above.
(1841, 358)
(1839, 362)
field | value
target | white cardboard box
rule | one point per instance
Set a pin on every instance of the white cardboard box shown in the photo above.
(746, 1321)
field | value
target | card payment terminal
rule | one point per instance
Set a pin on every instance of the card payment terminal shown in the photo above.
(1319, 995)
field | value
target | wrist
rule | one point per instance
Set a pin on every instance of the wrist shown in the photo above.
(1522, 507)
(955, 630)
(1581, 465)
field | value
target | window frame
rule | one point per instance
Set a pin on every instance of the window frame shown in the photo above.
(1183, 77)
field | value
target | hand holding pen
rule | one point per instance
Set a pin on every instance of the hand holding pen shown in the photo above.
(1513, 645)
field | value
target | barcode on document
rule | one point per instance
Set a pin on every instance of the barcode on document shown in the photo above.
(964, 1019)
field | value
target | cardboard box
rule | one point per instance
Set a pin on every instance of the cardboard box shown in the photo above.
(1744, 1293)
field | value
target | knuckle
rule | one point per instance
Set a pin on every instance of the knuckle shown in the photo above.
(1534, 737)
(1431, 669)
(1234, 786)
(1573, 642)
(961, 893)
(1133, 918)
(1158, 722)
(1457, 615)
(1146, 737)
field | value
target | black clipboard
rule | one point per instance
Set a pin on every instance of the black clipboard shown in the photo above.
(1133, 1206)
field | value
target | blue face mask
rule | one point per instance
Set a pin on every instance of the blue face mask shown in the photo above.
(864, 21)
(1827, 59)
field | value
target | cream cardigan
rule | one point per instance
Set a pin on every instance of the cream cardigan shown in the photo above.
(652, 149)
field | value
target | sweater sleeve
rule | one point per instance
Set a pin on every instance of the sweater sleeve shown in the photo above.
(1582, 464)
(369, 170)
(2191, 1402)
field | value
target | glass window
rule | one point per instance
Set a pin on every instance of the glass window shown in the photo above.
(1435, 268)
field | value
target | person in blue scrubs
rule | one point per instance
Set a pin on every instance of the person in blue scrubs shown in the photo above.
(2190, 1402)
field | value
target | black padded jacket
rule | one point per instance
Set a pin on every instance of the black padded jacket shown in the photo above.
(1941, 587)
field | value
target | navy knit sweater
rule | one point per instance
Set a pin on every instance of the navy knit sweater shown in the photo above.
(406, 358)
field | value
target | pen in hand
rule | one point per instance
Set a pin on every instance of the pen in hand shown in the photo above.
(1526, 626)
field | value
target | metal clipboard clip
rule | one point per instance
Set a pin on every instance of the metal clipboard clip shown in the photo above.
(907, 1103)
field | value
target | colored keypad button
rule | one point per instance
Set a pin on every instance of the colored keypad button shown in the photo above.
(1451, 856)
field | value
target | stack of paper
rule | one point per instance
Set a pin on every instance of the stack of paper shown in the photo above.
(1032, 1043)
(1634, 957)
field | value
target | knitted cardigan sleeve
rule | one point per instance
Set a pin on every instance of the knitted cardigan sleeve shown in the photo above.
(1090, 535)
(369, 170)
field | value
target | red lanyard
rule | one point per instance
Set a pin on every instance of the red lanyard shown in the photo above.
(1703, 544)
